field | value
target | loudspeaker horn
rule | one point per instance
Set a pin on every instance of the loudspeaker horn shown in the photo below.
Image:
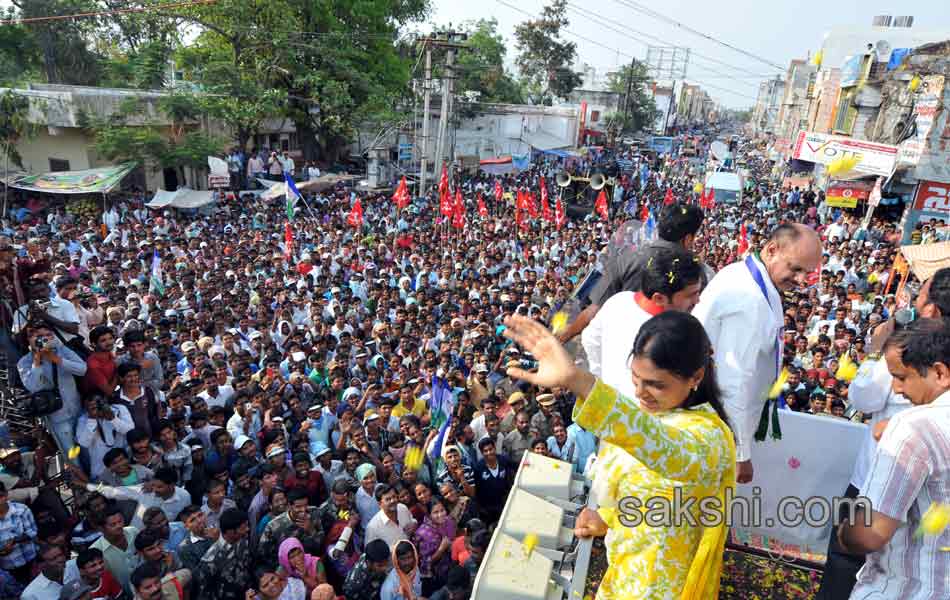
(597, 181)
(563, 179)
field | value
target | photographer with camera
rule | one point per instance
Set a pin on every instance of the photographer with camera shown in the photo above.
(52, 367)
(102, 427)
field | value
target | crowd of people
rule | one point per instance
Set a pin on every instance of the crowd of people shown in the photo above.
(252, 403)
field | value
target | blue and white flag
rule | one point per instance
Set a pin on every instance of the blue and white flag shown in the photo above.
(291, 193)
(442, 404)
(157, 284)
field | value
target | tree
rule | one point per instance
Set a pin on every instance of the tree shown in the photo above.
(19, 54)
(545, 59)
(174, 142)
(66, 45)
(481, 65)
(638, 109)
(14, 126)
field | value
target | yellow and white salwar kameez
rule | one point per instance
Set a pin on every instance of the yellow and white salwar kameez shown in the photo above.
(690, 449)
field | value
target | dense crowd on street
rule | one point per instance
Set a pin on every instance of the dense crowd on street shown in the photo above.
(259, 405)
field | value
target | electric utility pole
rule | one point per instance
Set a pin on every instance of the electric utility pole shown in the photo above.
(427, 98)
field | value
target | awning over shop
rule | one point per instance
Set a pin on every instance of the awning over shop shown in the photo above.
(181, 198)
(503, 165)
(543, 141)
(88, 181)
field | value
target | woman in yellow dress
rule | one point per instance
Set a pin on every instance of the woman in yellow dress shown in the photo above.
(682, 454)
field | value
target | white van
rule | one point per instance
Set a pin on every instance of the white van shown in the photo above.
(726, 185)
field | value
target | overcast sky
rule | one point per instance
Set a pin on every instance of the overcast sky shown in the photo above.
(776, 31)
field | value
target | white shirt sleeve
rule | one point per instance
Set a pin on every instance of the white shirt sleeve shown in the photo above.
(871, 387)
(592, 341)
(730, 328)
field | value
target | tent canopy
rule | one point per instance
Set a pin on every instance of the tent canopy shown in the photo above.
(181, 198)
(88, 181)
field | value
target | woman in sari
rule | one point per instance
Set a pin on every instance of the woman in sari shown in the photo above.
(676, 432)
(433, 541)
(295, 562)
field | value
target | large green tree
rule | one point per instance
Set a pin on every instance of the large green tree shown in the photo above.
(637, 108)
(14, 126)
(67, 47)
(545, 59)
(481, 65)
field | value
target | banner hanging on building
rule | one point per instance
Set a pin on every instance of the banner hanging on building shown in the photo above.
(845, 194)
(873, 159)
(88, 181)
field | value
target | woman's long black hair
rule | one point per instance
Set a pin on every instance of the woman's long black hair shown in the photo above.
(676, 342)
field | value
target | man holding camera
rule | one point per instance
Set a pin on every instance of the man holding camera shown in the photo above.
(52, 366)
(101, 428)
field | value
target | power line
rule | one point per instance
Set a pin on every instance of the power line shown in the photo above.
(626, 32)
(618, 51)
(104, 13)
(652, 13)
(603, 23)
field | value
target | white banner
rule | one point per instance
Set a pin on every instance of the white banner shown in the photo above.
(813, 460)
(873, 159)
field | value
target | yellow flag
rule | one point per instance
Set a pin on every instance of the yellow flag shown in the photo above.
(847, 369)
(558, 322)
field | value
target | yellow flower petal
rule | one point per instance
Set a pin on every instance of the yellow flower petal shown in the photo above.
(559, 322)
(73, 452)
(530, 541)
(935, 520)
(778, 385)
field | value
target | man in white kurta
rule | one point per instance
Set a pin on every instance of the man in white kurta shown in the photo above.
(745, 323)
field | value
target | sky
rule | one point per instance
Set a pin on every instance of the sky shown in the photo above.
(776, 31)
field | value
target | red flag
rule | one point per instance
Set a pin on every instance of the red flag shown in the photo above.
(545, 209)
(743, 240)
(544, 193)
(444, 181)
(601, 205)
(520, 201)
(519, 218)
(668, 199)
(401, 197)
(355, 218)
(710, 199)
(532, 201)
(644, 211)
(445, 204)
(499, 193)
(559, 216)
(482, 209)
(288, 241)
(458, 213)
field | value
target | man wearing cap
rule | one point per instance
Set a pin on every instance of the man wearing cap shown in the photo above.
(330, 468)
(318, 427)
(516, 403)
(541, 425)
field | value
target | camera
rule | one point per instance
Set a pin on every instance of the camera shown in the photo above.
(101, 405)
(41, 342)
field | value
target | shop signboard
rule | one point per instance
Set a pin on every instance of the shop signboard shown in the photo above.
(873, 159)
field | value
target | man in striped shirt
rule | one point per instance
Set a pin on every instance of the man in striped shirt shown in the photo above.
(910, 474)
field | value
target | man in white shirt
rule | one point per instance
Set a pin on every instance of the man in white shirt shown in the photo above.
(160, 491)
(741, 310)
(909, 476)
(49, 583)
(393, 522)
(671, 280)
(871, 393)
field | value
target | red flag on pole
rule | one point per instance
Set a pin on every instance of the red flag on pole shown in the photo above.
(601, 205)
(499, 193)
(401, 197)
(559, 216)
(668, 199)
(743, 240)
(545, 209)
(482, 209)
(444, 181)
(445, 204)
(544, 193)
(355, 218)
(710, 199)
(532, 201)
(458, 216)
(288, 241)
(645, 211)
